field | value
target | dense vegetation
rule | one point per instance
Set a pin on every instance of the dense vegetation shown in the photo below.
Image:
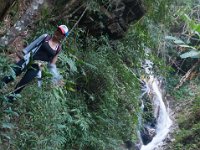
(97, 105)
(186, 42)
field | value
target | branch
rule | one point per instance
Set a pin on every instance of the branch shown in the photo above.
(66, 10)
(107, 13)
(78, 20)
(186, 76)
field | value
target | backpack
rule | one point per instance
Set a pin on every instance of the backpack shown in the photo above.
(33, 47)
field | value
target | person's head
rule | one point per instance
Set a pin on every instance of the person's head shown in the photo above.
(61, 32)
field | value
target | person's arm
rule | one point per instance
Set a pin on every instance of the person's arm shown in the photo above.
(54, 71)
(54, 60)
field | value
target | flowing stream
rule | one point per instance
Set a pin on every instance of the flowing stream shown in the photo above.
(159, 131)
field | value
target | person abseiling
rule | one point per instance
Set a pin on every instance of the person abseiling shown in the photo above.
(46, 49)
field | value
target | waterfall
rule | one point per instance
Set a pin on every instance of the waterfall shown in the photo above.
(163, 122)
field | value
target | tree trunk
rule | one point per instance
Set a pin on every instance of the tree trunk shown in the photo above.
(4, 6)
(20, 25)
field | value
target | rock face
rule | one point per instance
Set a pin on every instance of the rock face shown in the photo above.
(114, 18)
(124, 13)
(147, 134)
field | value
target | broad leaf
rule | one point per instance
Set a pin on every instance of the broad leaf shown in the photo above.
(192, 24)
(191, 54)
(187, 46)
(170, 38)
(198, 28)
(179, 42)
(175, 40)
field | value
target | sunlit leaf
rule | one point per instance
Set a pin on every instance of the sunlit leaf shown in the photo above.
(179, 42)
(170, 38)
(187, 46)
(174, 39)
(198, 28)
(191, 54)
(70, 89)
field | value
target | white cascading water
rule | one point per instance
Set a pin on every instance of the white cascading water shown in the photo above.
(160, 111)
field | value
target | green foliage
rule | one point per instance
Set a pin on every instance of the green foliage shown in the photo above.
(34, 123)
(192, 52)
(97, 106)
(192, 25)
(189, 135)
(158, 10)
(186, 92)
(109, 96)
(193, 29)
(6, 68)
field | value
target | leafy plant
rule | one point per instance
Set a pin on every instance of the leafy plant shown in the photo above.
(193, 29)
(188, 135)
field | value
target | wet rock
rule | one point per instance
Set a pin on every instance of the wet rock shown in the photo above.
(138, 146)
(129, 145)
(147, 134)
